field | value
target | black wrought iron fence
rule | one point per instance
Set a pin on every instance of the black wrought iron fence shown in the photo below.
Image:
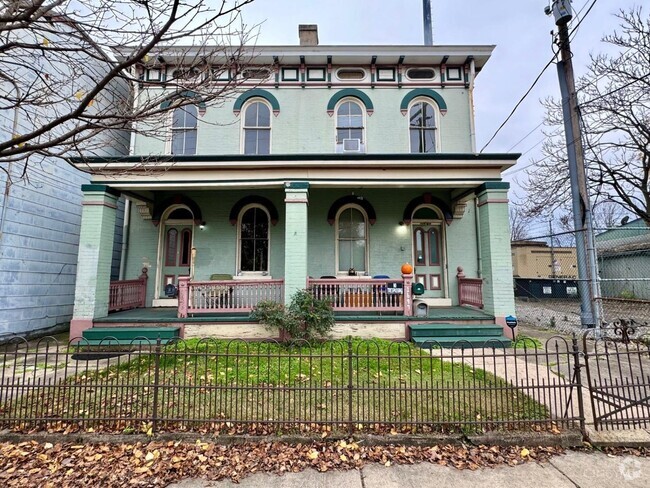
(266, 387)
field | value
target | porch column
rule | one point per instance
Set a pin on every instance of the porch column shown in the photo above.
(99, 206)
(494, 227)
(295, 241)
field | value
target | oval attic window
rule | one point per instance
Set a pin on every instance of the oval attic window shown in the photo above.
(349, 74)
(421, 74)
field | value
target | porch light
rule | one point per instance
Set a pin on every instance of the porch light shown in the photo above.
(202, 226)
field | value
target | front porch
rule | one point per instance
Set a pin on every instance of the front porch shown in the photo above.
(214, 254)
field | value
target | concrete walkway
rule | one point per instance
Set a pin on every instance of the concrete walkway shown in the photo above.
(574, 469)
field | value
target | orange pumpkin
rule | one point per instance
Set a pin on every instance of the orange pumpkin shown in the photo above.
(407, 269)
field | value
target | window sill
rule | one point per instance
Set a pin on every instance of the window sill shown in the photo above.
(252, 277)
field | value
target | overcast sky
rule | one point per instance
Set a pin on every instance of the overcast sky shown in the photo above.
(519, 28)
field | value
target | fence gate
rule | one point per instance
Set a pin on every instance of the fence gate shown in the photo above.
(618, 373)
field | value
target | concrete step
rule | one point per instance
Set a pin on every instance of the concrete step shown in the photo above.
(455, 330)
(129, 335)
(462, 342)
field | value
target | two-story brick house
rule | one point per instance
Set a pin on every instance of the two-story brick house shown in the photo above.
(330, 168)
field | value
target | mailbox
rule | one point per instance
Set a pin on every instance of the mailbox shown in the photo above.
(418, 289)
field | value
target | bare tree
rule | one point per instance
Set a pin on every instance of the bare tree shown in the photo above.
(71, 70)
(614, 99)
(519, 223)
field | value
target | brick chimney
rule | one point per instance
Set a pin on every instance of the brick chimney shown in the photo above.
(308, 34)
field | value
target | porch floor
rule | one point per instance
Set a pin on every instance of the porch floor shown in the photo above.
(167, 315)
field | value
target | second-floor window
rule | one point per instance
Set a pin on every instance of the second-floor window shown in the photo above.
(422, 127)
(184, 122)
(257, 128)
(349, 127)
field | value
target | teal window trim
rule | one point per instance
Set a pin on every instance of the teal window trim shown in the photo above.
(423, 92)
(257, 93)
(185, 94)
(350, 92)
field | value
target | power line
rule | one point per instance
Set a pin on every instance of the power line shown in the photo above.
(530, 89)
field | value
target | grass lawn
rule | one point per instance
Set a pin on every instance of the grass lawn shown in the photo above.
(379, 384)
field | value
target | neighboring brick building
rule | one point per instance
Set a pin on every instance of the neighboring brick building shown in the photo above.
(330, 161)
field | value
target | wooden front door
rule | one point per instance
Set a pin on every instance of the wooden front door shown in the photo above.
(428, 258)
(177, 254)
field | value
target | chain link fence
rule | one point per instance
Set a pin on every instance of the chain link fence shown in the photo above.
(549, 291)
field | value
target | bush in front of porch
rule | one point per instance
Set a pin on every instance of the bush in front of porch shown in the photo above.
(307, 317)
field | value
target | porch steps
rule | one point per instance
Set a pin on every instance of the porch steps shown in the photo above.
(109, 336)
(459, 336)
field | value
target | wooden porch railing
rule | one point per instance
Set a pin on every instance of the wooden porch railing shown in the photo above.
(225, 296)
(128, 294)
(357, 295)
(470, 290)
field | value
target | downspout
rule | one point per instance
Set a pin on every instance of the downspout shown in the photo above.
(479, 253)
(472, 127)
(125, 237)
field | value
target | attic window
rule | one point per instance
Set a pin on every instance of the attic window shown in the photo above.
(186, 73)
(349, 74)
(256, 74)
(421, 74)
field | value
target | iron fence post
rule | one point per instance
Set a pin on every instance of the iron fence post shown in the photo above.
(350, 390)
(578, 381)
(156, 382)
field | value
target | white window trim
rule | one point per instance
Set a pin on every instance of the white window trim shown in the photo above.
(351, 68)
(336, 237)
(422, 80)
(252, 274)
(364, 132)
(242, 129)
(436, 113)
(170, 133)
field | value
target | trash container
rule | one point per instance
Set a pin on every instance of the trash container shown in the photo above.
(421, 308)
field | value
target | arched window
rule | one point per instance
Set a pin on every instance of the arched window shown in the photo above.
(254, 240)
(184, 121)
(349, 127)
(422, 127)
(257, 128)
(352, 239)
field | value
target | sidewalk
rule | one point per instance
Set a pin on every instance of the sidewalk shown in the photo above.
(574, 469)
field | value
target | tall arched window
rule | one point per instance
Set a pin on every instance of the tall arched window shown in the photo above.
(349, 127)
(422, 127)
(257, 128)
(184, 121)
(352, 239)
(254, 240)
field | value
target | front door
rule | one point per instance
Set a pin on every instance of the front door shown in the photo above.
(177, 255)
(428, 258)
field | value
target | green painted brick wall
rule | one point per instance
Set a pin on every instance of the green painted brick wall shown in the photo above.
(498, 293)
(95, 255)
(389, 243)
(303, 125)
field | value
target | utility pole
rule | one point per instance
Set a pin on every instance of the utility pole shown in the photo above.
(428, 22)
(550, 233)
(582, 219)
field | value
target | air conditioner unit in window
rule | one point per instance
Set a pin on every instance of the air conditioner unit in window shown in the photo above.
(351, 145)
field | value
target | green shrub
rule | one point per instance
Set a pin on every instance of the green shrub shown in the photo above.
(628, 295)
(306, 317)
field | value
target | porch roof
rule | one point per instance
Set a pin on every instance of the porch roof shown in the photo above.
(443, 170)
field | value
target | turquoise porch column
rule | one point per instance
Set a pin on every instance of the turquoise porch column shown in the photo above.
(94, 260)
(295, 242)
(494, 225)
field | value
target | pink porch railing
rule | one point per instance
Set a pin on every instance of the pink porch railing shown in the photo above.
(470, 290)
(357, 295)
(225, 296)
(128, 294)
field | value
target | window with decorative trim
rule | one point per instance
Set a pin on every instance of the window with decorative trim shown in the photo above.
(254, 240)
(184, 130)
(350, 127)
(351, 239)
(423, 127)
(256, 127)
